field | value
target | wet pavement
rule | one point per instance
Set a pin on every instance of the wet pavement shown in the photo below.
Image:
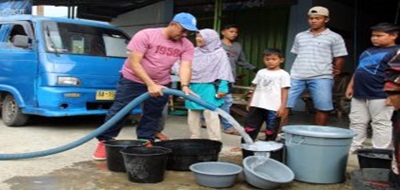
(74, 169)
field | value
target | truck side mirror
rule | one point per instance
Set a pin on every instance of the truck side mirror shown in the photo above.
(21, 41)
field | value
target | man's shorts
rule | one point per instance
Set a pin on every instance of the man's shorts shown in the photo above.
(320, 91)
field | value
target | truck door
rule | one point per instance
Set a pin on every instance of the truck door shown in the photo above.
(19, 62)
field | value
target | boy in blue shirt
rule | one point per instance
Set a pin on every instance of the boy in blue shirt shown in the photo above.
(368, 100)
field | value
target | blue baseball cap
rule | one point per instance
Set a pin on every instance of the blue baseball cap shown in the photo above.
(187, 21)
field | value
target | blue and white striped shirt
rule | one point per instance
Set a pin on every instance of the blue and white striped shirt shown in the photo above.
(315, 54)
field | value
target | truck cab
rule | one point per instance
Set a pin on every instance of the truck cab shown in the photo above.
(57, 67)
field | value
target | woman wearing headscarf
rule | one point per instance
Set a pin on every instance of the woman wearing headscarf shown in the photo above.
(211, 74)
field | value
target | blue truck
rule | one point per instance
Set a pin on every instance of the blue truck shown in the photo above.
(57, 67)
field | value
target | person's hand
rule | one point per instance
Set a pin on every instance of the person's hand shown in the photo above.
(388, 102)
(349, 93)
(155, 90)
(335, 71)
(281, 112)
(187, 90)
(220, 95)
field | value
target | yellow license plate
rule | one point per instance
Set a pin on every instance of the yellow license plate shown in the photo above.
(105, 95)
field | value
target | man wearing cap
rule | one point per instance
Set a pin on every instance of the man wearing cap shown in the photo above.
(392, 89)
(320, 56)
(151, 54)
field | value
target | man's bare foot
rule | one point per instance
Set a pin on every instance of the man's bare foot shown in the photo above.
(161, 136)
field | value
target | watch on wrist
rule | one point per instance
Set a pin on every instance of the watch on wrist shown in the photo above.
(183, 85)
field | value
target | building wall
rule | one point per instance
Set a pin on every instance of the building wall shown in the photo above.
(269, 32)
(156, 15)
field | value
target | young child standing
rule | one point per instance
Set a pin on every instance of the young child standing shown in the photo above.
(368, 100)
(269, 99)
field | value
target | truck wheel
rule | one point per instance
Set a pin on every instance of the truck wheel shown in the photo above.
(11, 113)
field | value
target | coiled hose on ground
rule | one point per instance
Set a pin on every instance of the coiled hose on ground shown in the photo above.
(105, 126)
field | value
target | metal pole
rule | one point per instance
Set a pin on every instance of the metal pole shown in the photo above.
(355, 54)
(69, 12)
(396, 19)
(217, 14)
(73, 12)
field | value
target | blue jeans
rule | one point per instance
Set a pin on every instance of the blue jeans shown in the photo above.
(272, 122)
(319, 89)
(127, 91)
(226, 106)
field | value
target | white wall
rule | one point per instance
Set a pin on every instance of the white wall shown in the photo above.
(156, 15)
(51, 11)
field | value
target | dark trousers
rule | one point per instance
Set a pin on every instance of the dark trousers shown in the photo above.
(127, 91)
(256, 117)
(253, 122)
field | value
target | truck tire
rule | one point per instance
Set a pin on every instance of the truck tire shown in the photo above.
(11, 113)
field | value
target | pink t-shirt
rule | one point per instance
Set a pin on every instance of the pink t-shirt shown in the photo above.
(160, 53)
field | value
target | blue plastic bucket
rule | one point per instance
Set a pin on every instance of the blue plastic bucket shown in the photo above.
(317, 154)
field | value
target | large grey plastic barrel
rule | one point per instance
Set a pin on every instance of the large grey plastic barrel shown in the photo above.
(317, 154)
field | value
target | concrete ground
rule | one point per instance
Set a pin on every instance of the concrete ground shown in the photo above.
(74, 169)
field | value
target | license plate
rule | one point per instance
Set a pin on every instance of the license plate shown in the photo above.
(105, 95)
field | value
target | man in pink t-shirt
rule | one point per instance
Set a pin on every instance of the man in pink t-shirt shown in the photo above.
(152, 53)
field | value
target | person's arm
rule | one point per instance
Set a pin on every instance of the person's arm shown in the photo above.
(337, 65)
(284, 97)
(223, 88)
(350, 88)
(251, 98)
(185, 74)
(242, 62)
(135, 59)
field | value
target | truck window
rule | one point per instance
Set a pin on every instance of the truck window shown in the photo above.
(11, 31)
(16, 30)
(67, 38)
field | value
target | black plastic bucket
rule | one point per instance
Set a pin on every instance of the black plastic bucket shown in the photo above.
(375, 158)
(145, 164)
(186, 152)
(115, 162)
